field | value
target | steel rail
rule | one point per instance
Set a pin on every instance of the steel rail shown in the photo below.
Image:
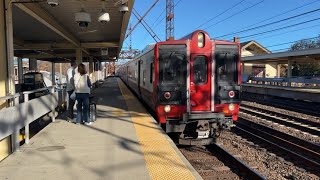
(247, 172)
(281, 103)
(279, 114)
(278, 143)
(280, 121)
(312, 149)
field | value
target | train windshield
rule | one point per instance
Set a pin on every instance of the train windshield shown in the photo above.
(226, 57)
(172, 64)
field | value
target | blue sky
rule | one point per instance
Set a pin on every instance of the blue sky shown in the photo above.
(190, 14)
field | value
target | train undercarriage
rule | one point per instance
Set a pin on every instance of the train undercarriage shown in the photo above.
(199, 129)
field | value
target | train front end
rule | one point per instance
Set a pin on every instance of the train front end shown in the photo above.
(198, 87)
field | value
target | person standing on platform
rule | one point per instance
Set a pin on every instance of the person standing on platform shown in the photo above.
(70, 88)
(82, 89)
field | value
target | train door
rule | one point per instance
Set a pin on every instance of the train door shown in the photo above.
(139, 77)
(200, 80)
(127, 74)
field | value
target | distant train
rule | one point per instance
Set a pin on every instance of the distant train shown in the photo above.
(192, 85)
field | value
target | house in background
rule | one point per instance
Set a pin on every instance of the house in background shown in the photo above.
(252, 48)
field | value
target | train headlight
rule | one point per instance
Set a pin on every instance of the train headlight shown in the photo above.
(167, 108)
(200, 40)
(231, 107)
(167, 95)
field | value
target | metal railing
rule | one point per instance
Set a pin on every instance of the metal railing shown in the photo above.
(289, 82)
(26, 99)
(12, 101)
(19, 115)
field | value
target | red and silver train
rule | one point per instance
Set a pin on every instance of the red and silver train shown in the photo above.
(191, 84)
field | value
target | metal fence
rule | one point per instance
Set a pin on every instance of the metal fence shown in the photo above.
(291, 82)
(19, 115)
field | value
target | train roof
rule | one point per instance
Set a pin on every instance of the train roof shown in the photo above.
(148, 48)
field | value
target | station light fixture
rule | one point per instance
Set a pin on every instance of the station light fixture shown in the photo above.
(104, 17)
(82, 18)
(53, 3)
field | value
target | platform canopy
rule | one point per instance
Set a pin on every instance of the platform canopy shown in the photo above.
(299, 56)
(52, 33)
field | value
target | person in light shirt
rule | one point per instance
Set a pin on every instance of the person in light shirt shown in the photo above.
(82, 88)
(70, 88)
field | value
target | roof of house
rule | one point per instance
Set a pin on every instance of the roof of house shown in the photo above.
(253, 42)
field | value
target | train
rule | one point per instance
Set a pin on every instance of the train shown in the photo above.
(192, 85)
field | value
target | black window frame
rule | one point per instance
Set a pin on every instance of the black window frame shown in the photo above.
(230, 74)
(151, 72)
(205, 71)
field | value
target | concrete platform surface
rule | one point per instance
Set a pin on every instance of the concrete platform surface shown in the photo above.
(111, 148)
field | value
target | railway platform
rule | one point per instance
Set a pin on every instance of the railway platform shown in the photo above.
(296, 93)
(124, 143)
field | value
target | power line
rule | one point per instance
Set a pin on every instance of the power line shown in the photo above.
(146, 26)
(235, 14)
(280, 14)
(271, 23)
(279, 50)
(177, 3)
(287, 32)
(290, 42)
(220, 14)
(146, 13)
(281, 28)
(158, 17)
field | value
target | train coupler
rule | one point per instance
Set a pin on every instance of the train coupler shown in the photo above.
(226, 124)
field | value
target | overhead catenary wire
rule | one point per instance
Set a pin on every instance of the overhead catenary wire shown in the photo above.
(274, 35)
(277, 29)
(291, 42)
(128, 34)
(154, 26)
(235, 14)
(271, 23)
(146, 26)
(277, 15)
(233, 6)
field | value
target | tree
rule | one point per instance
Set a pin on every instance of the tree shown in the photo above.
(306, 69)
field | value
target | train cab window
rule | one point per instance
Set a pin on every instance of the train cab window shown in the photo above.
(200, 69)
(151, 72)
(172, 65)
(226, 57)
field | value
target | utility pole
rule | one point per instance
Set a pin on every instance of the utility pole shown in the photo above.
(170, 20)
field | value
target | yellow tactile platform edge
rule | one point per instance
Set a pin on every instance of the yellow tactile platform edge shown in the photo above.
(161, 159)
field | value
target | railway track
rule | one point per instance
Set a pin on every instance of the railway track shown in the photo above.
(296, 106)
(302, 153)
(286, 120)
(215, 162)
(282, 115)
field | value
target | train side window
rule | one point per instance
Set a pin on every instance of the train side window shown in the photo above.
(144, 77)
(200, 75)
(151, 72)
